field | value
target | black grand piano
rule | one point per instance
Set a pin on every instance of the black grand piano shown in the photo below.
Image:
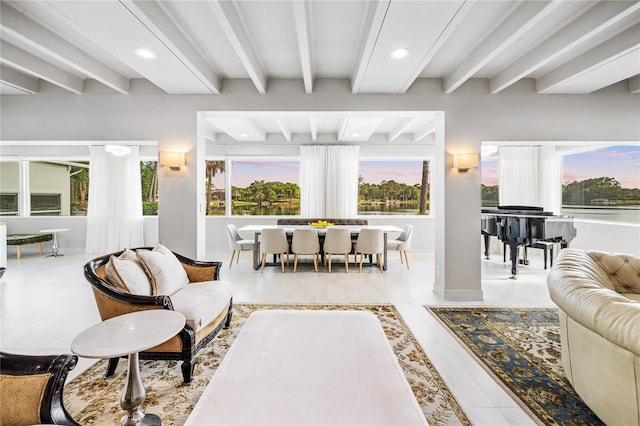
(525, 226)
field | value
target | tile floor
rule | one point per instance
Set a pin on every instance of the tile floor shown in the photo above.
(45, 302)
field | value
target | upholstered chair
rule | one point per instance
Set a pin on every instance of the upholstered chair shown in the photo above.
(274, 241)
(305, 241)
(402, 244)
(370, 241)
(237, 243)
(337, 241)
(31, 388)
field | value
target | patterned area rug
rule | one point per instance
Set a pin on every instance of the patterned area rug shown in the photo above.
(95, 401)
(521, 348)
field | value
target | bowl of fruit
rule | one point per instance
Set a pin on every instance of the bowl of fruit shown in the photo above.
(321, 224)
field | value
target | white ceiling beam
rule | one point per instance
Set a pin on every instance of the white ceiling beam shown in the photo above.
(634, 84)
(152, 16)
(17, 80)
(451, 27)
(426, 130)
(29, 64)
(614, 48)
(313, 129)
(232, 26)
(283, 129)
(344, 125)
(302, 18)
(37, 37)
(257, 131)
(371, 26)
(526, 16)
(401, 128)
(588, 26)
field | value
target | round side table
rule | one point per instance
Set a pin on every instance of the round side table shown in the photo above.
(54, 246)
(127, 335)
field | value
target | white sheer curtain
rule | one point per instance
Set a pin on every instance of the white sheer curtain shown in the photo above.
(114, 216)
(519, 176)
(550, 179)
(329, 181)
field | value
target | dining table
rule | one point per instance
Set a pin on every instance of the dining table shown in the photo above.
(288, 229)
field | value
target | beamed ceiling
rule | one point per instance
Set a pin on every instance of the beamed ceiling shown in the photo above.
(567, 47)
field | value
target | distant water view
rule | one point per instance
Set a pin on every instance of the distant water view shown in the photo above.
(626, 214)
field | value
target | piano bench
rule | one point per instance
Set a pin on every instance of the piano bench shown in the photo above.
(547, 246)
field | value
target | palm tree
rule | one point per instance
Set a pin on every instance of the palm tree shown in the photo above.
(424, 189)
(212, 167)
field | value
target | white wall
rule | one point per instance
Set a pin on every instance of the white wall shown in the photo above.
(471, 113)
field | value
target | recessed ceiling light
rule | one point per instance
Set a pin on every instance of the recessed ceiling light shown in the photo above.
(400, 53)
(243, 135)
(355, 135)
(145, 53)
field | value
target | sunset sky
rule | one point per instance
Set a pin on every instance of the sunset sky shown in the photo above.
(245, 172)
(620, 162)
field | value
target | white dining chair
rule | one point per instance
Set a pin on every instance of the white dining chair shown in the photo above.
(370, 241)
(337, 241)
(274, 241)
(402, 244)
(305, 241)
(238, 244)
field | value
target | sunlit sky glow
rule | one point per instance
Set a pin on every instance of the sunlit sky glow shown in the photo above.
(620, 162)
(246, 172)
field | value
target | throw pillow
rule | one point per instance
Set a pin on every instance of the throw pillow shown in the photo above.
(164, 270)
(126, 273)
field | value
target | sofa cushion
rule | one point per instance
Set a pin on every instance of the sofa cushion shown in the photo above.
(164, 270)
(202, 302)
(125, 273)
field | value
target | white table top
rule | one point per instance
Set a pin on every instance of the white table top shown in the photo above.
(291, 228)
(127, 334)
(55, 230)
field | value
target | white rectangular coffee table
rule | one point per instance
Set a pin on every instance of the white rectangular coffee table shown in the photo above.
(306, 367)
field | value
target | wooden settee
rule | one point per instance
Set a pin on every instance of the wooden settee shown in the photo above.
(205, 301)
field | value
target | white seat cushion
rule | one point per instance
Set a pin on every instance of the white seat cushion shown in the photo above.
(201, 302)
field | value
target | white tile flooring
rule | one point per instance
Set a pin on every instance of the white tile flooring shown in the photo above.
(45, 302)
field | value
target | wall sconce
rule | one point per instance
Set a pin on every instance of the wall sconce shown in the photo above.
(464, 162)
(172, 159)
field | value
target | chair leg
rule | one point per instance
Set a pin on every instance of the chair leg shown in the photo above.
(401, 260)
(379, 260)
(19, 251)
(264, 261)
(231, 261)
(238, 257)
(361, 259)
(315, 261)
(406, 259)
(327, 260)
(111, 367)
(187, 371)
(346, 262)
(40, 248)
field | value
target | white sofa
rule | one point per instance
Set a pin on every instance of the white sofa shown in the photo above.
(598, 295)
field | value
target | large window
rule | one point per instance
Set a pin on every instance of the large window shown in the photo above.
(490, 176)
(265, 187)
(215, 187)
(393, 187)
(61, 188)
(603, 184)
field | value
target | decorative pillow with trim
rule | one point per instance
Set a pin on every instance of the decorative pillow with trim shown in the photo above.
(163, 269)
(127, 274)
(21, 398)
